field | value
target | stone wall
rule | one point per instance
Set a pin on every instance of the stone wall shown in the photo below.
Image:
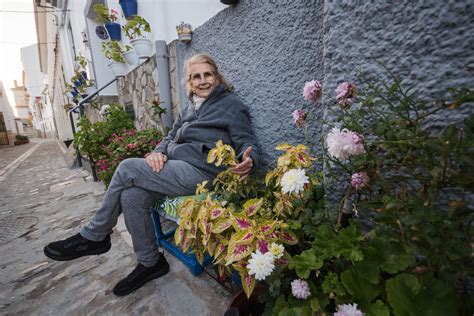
(140, 87)
(137, 92)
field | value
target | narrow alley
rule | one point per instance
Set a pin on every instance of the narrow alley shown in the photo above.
(42, 200)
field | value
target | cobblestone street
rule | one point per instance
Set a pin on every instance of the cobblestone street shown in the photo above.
(42, 200)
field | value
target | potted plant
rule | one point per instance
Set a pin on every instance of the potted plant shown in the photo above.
(129, 8)
(135, 30)
(130, 55)
(108, 18)
(184, 32)
(114, 52)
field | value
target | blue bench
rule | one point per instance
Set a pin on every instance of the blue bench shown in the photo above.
(167, 209)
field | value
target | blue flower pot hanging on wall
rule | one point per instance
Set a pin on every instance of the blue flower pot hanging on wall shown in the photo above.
(129, 8)
(114, 30)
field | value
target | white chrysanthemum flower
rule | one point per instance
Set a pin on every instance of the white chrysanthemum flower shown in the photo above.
(348, 310)
(293, 181)
(277, 250)
(261, 264)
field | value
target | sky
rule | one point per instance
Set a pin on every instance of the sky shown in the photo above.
(17, 30)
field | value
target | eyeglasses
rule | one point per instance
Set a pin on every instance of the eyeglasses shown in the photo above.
(206, 76)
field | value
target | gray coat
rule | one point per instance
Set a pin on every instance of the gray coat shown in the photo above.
(222, 116)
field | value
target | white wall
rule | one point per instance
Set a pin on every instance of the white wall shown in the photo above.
(163, 16)
(166, 14)
(35, 82)
(6, 109)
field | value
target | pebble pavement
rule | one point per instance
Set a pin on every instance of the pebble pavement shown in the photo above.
(42, 200)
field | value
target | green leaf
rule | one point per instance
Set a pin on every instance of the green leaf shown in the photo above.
(304, 263)
(378, 309)
(280, 304)
(395, 257)
(401, 292)
(436, 298)
(359, 288)
(332, 284)
(347, 243)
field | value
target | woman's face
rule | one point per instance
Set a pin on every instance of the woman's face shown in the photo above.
(203, 79)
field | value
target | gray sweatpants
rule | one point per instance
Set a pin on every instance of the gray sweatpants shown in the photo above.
(134, 189)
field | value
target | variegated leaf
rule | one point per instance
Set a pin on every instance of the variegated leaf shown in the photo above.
(242, 237)
(283, 161)
(252, 206)
(268, 177)
(221, 225)
(202, 225)
(262, 246)
(283, 147)
(221, 270)
(178, 235)
(241, 223)
(216, 212)
(186, 243)
(236, 252)
(211, 157)
(248, 283)
(290, 238)
(199, 253)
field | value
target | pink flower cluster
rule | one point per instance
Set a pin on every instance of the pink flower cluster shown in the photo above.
(132, 146)
(345, 92)
(300, 289)
(348, 310)
(312, 90)
(103, 165)
(299, 117)
(344, 143)
(359, 180)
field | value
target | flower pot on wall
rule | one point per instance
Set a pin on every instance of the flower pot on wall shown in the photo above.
(114, 30)
(129, 8)
(131, 57)
(118, 69)
(143, 47)
(185, 37)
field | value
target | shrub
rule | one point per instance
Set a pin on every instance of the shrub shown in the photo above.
(126, 144)
(91, 137)
(409, 251)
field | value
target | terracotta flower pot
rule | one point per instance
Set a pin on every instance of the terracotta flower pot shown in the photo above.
(242, 306)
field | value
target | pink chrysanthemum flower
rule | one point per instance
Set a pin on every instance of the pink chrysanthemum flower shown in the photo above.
(345, 92)
(359, 180)
(348, 310)
(299, 117)
(300, 289)
(312, 90)
(344, 143)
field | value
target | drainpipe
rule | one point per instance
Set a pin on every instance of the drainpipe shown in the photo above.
(162, 63)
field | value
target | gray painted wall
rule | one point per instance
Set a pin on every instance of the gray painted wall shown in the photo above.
(269, 49)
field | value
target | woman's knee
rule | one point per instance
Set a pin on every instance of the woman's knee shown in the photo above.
(137, 197)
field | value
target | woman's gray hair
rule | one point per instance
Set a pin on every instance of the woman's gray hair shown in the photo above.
(202, 58)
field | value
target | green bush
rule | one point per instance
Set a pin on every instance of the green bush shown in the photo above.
(127, 144)
(92, 137)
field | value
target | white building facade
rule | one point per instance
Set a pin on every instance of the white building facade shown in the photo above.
(69, 31)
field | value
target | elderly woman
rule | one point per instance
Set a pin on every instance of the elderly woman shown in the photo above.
(174, 168)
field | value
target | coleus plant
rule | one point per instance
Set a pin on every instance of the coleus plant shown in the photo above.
(232, 232)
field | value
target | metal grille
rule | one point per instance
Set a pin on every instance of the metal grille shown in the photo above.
(14, 227)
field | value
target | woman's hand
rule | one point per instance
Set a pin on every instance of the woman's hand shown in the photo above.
(243, 169)
(156, 161)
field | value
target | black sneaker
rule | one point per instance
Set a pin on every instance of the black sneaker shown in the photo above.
(141, 275)
(76, 247)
